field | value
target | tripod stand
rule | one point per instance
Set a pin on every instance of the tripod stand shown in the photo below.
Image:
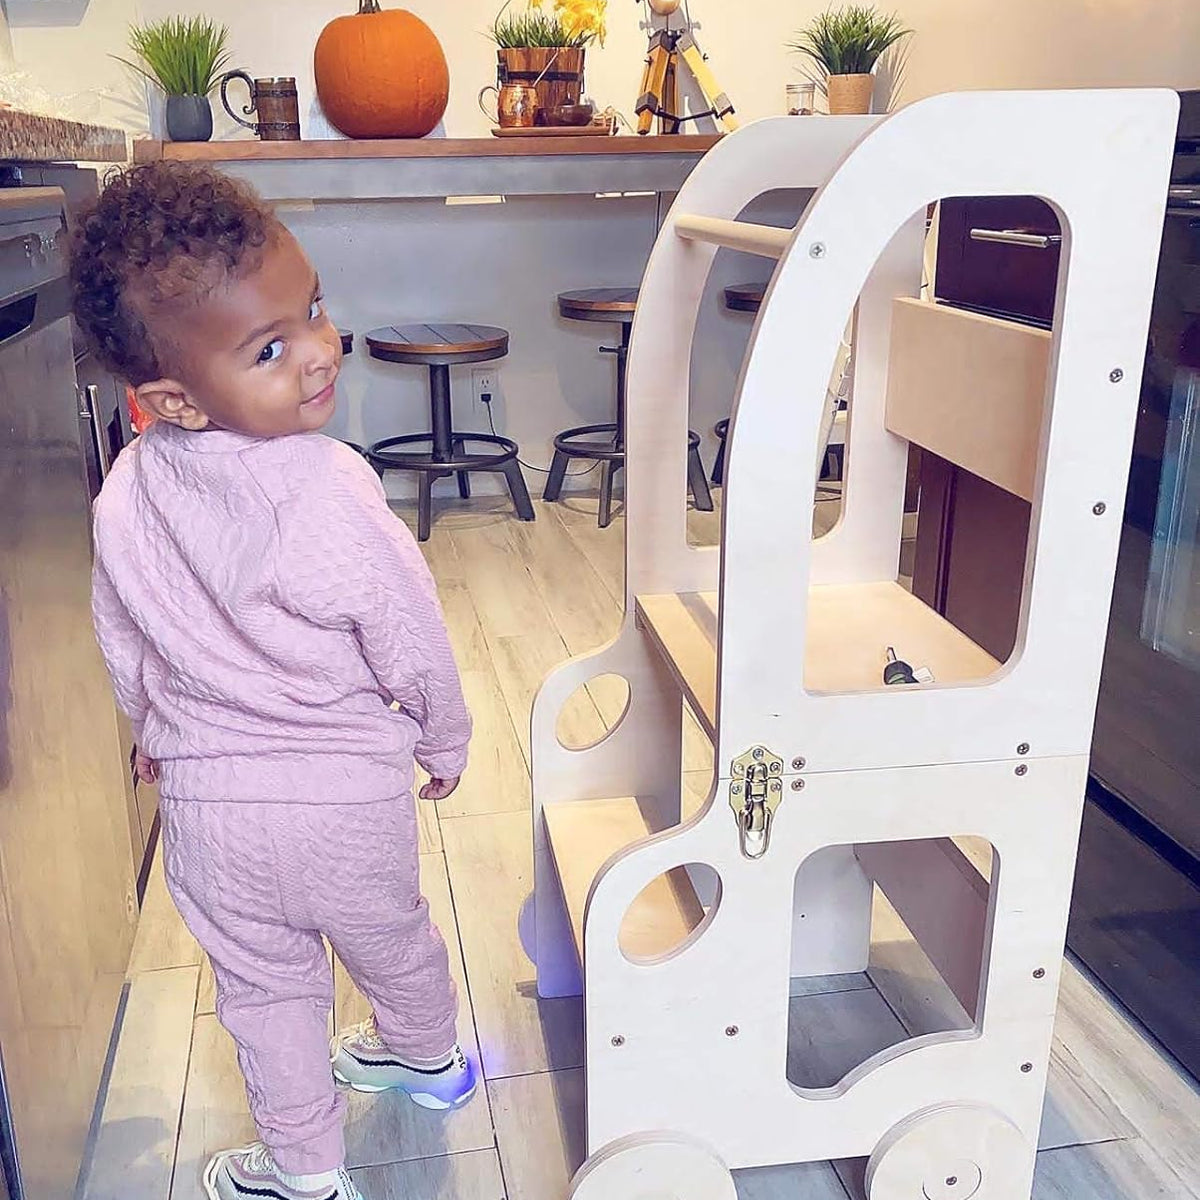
(660, 84)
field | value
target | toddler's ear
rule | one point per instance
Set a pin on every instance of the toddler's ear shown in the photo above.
(168, 400)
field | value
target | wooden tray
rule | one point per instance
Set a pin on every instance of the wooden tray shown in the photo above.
(554, 131)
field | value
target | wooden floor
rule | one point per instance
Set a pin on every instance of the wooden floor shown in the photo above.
(1120, 1121)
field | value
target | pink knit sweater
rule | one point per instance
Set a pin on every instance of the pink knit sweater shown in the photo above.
(259, 608)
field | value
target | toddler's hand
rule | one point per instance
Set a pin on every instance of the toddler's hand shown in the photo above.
(439, 789)
(144, 766)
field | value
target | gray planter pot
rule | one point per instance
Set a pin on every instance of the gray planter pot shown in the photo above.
(189, 118)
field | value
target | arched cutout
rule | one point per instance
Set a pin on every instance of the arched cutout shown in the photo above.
(603, 699)
(670, 913)
(967, 385)
(930, 930)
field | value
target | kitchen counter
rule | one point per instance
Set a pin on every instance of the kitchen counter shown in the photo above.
(28, 137)
(435, 167)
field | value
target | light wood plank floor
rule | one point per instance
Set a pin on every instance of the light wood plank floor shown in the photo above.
(1120, 1120)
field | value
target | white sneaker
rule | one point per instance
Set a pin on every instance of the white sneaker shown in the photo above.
(362, 1060)
(251, 1174)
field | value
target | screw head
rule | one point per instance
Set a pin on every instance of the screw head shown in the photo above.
(816, 250)
(1040, 973)
(1099, 508)
(731, 1031)
(1022, 770)
(618, 1041)
(758, 752)
(1023, 748)
(797, 785)
(1026, 1068)
(736, 789)
(1116, 375)
(776, 767)
(798, 764)
(776, 786)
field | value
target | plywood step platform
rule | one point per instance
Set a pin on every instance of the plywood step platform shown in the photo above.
(584, 835)
(850, 628)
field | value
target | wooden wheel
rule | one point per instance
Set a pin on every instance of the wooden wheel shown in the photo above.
(653, 1166)
(951, 1153)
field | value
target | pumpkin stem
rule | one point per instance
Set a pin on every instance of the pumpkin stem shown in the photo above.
(368, 6)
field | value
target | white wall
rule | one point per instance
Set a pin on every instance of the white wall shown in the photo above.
(958, 44)
(503, 264)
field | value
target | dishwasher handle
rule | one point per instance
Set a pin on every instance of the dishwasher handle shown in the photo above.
(89, 410)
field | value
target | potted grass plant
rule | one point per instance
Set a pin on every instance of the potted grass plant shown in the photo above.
(184, 56)
(544, 44)
(845, 45)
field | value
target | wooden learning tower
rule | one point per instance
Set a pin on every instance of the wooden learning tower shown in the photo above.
(826, 783)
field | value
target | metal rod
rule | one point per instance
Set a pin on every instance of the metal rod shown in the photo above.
(1014, 237)
(439, 408)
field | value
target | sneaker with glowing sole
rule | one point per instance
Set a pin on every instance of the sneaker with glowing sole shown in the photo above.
(252, 1174)
(364, 1062)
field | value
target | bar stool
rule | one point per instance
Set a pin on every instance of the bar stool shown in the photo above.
(748, 297)
(438, 347)
(739, 297)
(347, 337)
(605, 443)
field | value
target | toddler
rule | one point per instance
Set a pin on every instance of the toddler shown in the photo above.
(274, 635)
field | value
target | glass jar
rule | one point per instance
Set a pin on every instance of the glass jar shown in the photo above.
(801, 99)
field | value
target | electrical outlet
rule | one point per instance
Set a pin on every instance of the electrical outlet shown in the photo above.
(484, 381)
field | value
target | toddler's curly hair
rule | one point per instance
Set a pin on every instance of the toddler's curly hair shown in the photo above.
(160, 236)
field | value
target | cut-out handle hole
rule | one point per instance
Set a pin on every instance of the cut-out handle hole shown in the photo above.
(592, 712)
(670, 913)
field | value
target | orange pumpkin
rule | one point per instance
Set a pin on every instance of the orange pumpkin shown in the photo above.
(381, 74)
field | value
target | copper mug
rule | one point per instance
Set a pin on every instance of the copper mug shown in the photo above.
(516, 105)
(276, 102)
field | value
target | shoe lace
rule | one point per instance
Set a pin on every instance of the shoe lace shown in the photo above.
(365, 1034)
(258, 1158)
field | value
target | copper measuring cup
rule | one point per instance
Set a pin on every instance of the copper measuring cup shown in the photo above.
(516, 105)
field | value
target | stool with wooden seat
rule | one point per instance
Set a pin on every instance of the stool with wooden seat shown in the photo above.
(739, 297)
(438, 347)
(748, 297)
(347, 337)
(605, 443)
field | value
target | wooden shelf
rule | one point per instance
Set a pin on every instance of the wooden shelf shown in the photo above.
(433, 168)
(850, 629)
(584, 835)
(249, 149)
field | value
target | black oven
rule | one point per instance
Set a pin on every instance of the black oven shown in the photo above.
(1135, 919)
(1136, 915)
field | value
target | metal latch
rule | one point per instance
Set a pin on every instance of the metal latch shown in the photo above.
(754, 795)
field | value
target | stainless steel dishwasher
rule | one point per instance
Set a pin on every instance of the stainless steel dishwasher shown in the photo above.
(67, 897)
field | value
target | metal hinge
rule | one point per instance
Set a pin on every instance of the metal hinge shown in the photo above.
(755, 793)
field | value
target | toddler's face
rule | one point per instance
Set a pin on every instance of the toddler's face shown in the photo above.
(258, 355)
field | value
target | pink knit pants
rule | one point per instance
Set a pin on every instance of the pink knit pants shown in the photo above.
(258, 884)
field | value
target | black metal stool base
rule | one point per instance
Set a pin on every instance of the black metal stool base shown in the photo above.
(581, 443)
(606, 304)
(430, 467)
(721, 429)
(697, 479)
(831, 469)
